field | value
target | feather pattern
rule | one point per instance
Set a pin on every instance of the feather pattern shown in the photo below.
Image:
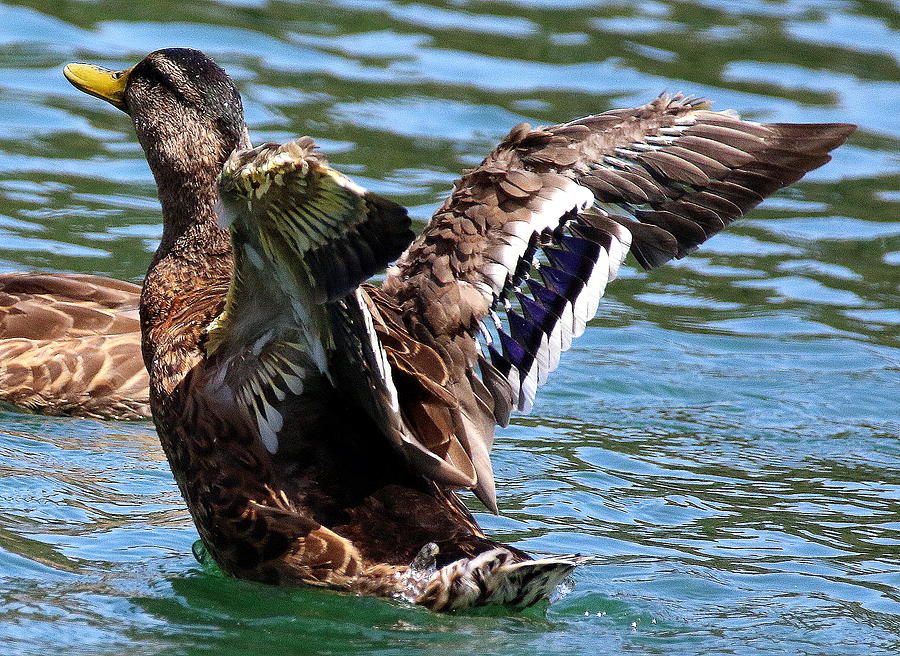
(513, 265)
(71, 344)
(301, 208)
(304, 237)
(493, 577)
(317, 426)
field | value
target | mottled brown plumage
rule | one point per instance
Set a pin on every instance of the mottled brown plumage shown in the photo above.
(676, 174)
(318, 428)
(71, 344)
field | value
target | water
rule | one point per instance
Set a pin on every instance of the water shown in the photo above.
(724, 437)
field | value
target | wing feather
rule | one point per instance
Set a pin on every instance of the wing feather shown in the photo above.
(304, 237)
(477, 312)
(528, 240)
(289, 205)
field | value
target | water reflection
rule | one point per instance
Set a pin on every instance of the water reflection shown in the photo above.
(724, 437)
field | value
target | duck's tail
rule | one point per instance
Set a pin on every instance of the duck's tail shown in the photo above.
(495, 577)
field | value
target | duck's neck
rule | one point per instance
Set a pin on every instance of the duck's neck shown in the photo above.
(189, 218)
(189, 276)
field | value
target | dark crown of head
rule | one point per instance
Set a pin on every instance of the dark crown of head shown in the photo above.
(210, 88)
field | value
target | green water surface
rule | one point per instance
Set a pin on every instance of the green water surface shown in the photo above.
(724, 437)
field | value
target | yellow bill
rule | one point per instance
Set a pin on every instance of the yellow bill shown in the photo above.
(100, 82)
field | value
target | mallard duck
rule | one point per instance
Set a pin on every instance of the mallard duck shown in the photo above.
(71, 345)
(318, 426)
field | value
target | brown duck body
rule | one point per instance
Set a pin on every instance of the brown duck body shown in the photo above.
(71, 345)
(333, 507)
(318, 429)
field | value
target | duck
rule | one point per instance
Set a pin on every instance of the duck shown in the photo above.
(319, 427)
(70, 344)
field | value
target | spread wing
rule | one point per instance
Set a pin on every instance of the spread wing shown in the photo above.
(477, 312)
(71, 344)
(513, 264)
(293, 334)
(298, 330)
(315, 227)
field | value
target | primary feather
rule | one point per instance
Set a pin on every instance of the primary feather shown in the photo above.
(513, 264)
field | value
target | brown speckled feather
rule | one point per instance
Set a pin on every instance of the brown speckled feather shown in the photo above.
(332, 506)
(70, 344)
(541, 226)
(287, 472)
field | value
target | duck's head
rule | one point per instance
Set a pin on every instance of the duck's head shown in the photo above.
(186, 111)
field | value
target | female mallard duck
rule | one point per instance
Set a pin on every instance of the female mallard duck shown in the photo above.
(71, 345)
(317, 427)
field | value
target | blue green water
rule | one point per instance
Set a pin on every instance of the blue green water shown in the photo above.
(724, 437)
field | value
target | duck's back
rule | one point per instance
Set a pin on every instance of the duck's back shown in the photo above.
(71, 344)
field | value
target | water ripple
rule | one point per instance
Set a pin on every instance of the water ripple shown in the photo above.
(723, 438)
